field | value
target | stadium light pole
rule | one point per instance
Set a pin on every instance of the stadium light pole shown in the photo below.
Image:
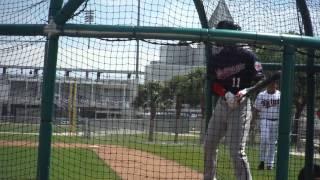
(89, 18)
(136, 80)
(138, 45)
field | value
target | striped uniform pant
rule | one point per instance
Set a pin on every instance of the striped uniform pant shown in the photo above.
(234, 126)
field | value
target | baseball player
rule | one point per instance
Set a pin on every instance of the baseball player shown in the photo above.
(234, 69)
(315, 175)
(267, 104)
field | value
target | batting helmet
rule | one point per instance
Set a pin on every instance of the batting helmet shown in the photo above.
(228, 25)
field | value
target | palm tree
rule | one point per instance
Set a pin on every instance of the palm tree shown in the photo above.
(196, 97)
(153, 95)
(187, 89)
(196, 79)
(179, 91)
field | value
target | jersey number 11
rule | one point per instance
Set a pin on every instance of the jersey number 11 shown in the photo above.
(236, 82)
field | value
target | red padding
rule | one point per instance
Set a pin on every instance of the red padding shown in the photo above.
(218, 89)
(318, 114)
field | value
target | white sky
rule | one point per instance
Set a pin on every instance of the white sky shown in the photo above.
(74, 52)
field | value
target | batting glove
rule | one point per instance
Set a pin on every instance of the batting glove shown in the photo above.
(231, 100)
(240, 94)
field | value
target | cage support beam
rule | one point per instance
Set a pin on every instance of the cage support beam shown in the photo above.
(309, 150)
(202, 13)
(67, 11)
(188, 34)
(266, 66)
(287, 80)
(47, 98)
(22, 29)
(168, 33)
(208, 53)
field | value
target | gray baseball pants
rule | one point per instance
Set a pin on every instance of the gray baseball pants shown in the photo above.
(234, 125)
(268, 141)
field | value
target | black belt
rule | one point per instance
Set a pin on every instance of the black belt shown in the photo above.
(272, 119)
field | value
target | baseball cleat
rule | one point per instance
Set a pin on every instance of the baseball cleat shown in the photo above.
(261, 166)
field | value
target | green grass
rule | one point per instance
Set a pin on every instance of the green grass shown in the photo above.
(187, 152)
(66, 163)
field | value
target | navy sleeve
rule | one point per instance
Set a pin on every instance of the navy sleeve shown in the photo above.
(211, 66)
(256, 67)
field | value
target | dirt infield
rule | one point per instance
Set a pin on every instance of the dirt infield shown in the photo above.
(129, 164)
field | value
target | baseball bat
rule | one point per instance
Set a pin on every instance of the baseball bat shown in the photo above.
(263, 83)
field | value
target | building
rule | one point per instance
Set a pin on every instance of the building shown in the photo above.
(182, 59)
(175, 60)
(20, 95)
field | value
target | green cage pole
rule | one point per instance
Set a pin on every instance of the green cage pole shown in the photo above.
(22, 29)
(309, 147)
(49, 77)
(208, 52)
(67, 11)
(309, 150)
(287, 80)
(168, 33)
(47, 98)
(187, 34)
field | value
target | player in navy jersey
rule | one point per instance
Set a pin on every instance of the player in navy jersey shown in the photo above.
(234, 69)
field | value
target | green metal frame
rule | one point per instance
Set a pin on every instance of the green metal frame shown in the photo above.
(287, 80)
(49, 74)
(309, 147)
(166, 33)
(208, 52)
(67, 11)
(49, 77)
(309, 150)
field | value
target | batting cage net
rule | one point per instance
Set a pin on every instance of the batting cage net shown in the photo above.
(124, 89)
